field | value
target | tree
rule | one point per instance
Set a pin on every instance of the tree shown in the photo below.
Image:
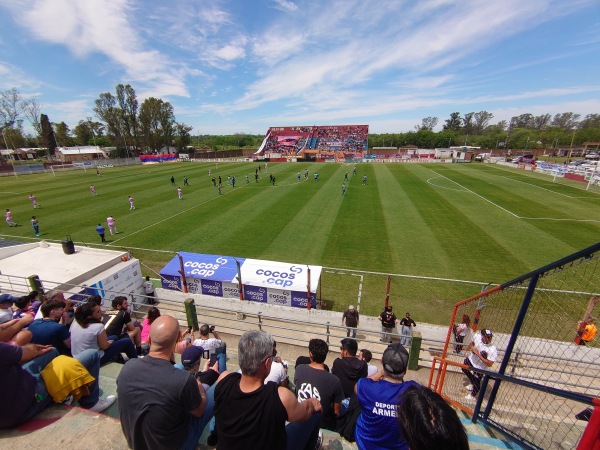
(590, 121)
(32, 111)
(427, 124)
(129, 111)
(454, 122)
(541, 122)
(481, 121)
(106, 109)
(522, 121)
(182, 135)
(567, 121)
(47, 137)
(156, 123)
(62, 134)
(467, 124)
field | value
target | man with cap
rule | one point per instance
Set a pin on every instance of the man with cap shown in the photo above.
(377, 425)
(483, 356)
(6, 302)
(388, 324)
(212, 345)
(351, 318)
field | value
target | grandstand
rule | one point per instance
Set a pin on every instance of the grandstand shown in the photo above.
(339, 142)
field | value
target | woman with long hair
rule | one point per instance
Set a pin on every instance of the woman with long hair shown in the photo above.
(87, 332)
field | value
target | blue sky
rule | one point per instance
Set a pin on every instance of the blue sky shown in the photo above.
(245, 65)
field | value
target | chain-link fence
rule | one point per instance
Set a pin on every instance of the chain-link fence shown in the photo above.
(549, 374)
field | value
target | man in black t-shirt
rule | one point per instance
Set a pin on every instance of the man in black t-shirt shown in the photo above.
(388, 324)
(313, 381)
(351, 317)
(161, 406)
(119, 323)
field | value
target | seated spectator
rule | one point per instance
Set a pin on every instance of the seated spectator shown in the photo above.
(427, 421)
(23, 391)
(87, 332)
(377, 426)
(6, 303)
(251, 414)
(153, 314)
(278, 373)
(212, 345)
(34, 296)
(161, 406)
(120, 324)
(48, 330)
(12, 332)
(348, 368)
(23, 306)
(306, 360)
(366, 356)
(313, 381)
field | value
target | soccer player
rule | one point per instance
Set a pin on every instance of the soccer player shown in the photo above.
(343, 189)
(92, 189)
(111, 222)
(9, 218)
(179, 193)
(131, 201)
(33, 201)
(364, 180)
(35, 225)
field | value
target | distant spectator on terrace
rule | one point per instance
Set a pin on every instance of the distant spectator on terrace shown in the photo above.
(460, 332)
(388, 324)
(407, 325)
(350, 319)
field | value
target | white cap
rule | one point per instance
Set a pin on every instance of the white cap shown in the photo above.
(351, 307)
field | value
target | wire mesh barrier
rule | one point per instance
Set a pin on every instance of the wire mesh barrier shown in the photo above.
(546, 372)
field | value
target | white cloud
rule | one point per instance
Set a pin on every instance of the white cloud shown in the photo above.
(285, 5)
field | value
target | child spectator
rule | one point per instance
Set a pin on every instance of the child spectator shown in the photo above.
(23, 305)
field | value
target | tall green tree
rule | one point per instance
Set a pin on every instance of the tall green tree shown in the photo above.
(454, 123)
(157, 123)
(128, 105)
(182, 136)
(47, 137)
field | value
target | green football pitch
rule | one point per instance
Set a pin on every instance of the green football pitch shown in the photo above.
(459, 221)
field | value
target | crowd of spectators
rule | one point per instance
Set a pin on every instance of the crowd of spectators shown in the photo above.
(288, 141)
(164, 404)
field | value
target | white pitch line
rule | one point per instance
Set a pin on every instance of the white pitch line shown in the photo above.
(442, 187)
(539, 187)
(478, 195)
(558, 219)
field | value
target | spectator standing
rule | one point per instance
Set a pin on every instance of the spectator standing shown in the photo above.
(100, 230)
(112, 225)
(351, 319)
(407, 325)
(388, 324)
(348, 368)
(251, 414)
(377, 426)
(427, 421)
(460, 332)
(149, 290)
(366, 356)
(313, 381)
(483, 356)
(35, 225)
(161, 406)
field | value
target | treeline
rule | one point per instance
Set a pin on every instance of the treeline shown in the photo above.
(123, 123)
